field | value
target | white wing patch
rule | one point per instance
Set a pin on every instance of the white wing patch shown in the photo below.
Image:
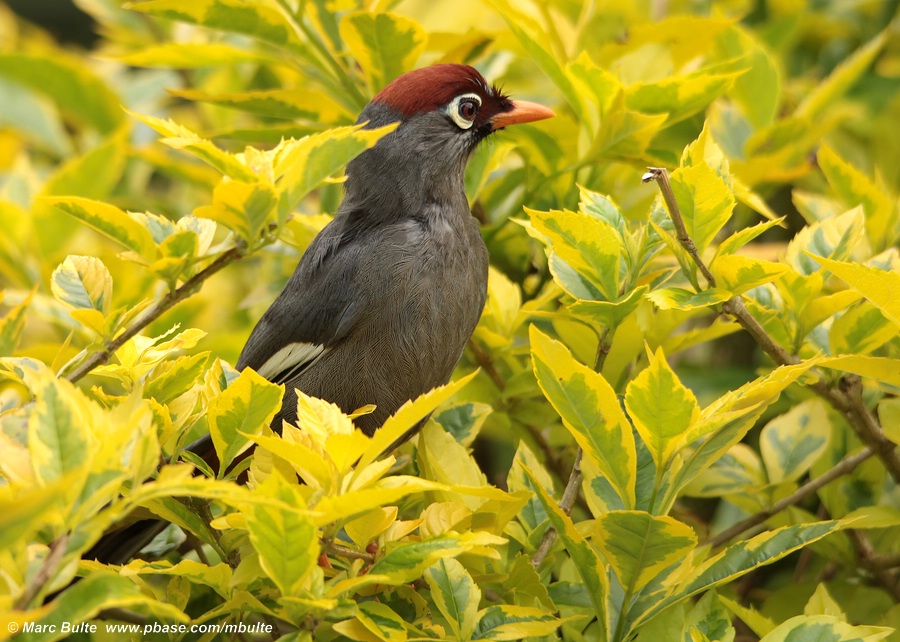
(290, 361)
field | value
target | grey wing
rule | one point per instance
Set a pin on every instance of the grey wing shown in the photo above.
(317, 308)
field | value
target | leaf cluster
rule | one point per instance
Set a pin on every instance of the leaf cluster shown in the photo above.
(613, 462)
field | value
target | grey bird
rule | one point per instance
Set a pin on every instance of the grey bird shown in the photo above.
(384, 300)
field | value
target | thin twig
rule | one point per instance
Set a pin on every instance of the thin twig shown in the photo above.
(869, 559)
(570, 495)
(848, 400)
(45, 573)
(661, 176)
(483, 359)
(553, 461)
(347, 552)
(122, 615)
(162, 306)
(844, 467)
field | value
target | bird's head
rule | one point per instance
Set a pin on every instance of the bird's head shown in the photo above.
(444, 111)
(454, 95)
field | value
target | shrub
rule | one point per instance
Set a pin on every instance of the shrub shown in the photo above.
(681, 397)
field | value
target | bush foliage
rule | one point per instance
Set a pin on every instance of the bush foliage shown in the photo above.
(677, 417)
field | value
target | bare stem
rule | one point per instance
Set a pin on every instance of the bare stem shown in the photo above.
(347, 552)
(553, 461)
(162, 306)
(570, 496)
(483, 359)
(661, 176)
(873, 562)
(844, 467)
(45, 573)
(848, 399)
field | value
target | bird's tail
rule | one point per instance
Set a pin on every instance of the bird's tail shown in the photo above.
(121, 544)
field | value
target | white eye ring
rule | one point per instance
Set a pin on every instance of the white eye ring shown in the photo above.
(453, 109)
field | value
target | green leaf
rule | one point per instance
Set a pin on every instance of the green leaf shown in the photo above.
(184, 516)
(733, 562)
(738, 274)
(590, 410)
(245, 208)
(407, 561)
(83, 282)
(69, 83)
(382, 621)
(879, 368)
(662, 409)
(855, 188)
(792, 442)
(815, 207)
(24, 511)
(94, 173)
(532, 515)
(834, 238)
(758, 90)
(640, 546)
(384, 44)
(259, 21)
(821, 603)
(588, 563)
(59, 431)
(880, 287)
(610, 314)
(758, 623)
(110, 221)
(464, 421)
(710, 619)
(681, 299)
(276, 103)
(303, 164)
(313, 468)
(705, 201)
(180, 137)
(533, 38)
(624, 133)
(35, 117)
(825, 94)
(407, 416)
(724, 422)
(455, 594)
(860, 330)
(189, 55)
(511, 622)
(285, 538)
(442, 459)
(95, 592)
(244, 408)
(218, 576)
(679, 96)
(586, 243)
(12, 324)
(889, 416)
(733, 472)
(174, 377)
(813, 628)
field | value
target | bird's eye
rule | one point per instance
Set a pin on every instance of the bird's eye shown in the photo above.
(463, 110)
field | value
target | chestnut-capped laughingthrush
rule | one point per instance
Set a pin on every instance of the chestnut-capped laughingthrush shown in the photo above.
(381, 305)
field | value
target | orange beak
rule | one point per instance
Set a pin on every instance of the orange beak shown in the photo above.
(523, 111)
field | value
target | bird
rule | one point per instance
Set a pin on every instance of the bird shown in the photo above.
(384, 300)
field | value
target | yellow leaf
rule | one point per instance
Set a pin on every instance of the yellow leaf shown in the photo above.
(881, 288)
(407, 416)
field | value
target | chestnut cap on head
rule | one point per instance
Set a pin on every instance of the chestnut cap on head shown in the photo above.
(464, 93)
